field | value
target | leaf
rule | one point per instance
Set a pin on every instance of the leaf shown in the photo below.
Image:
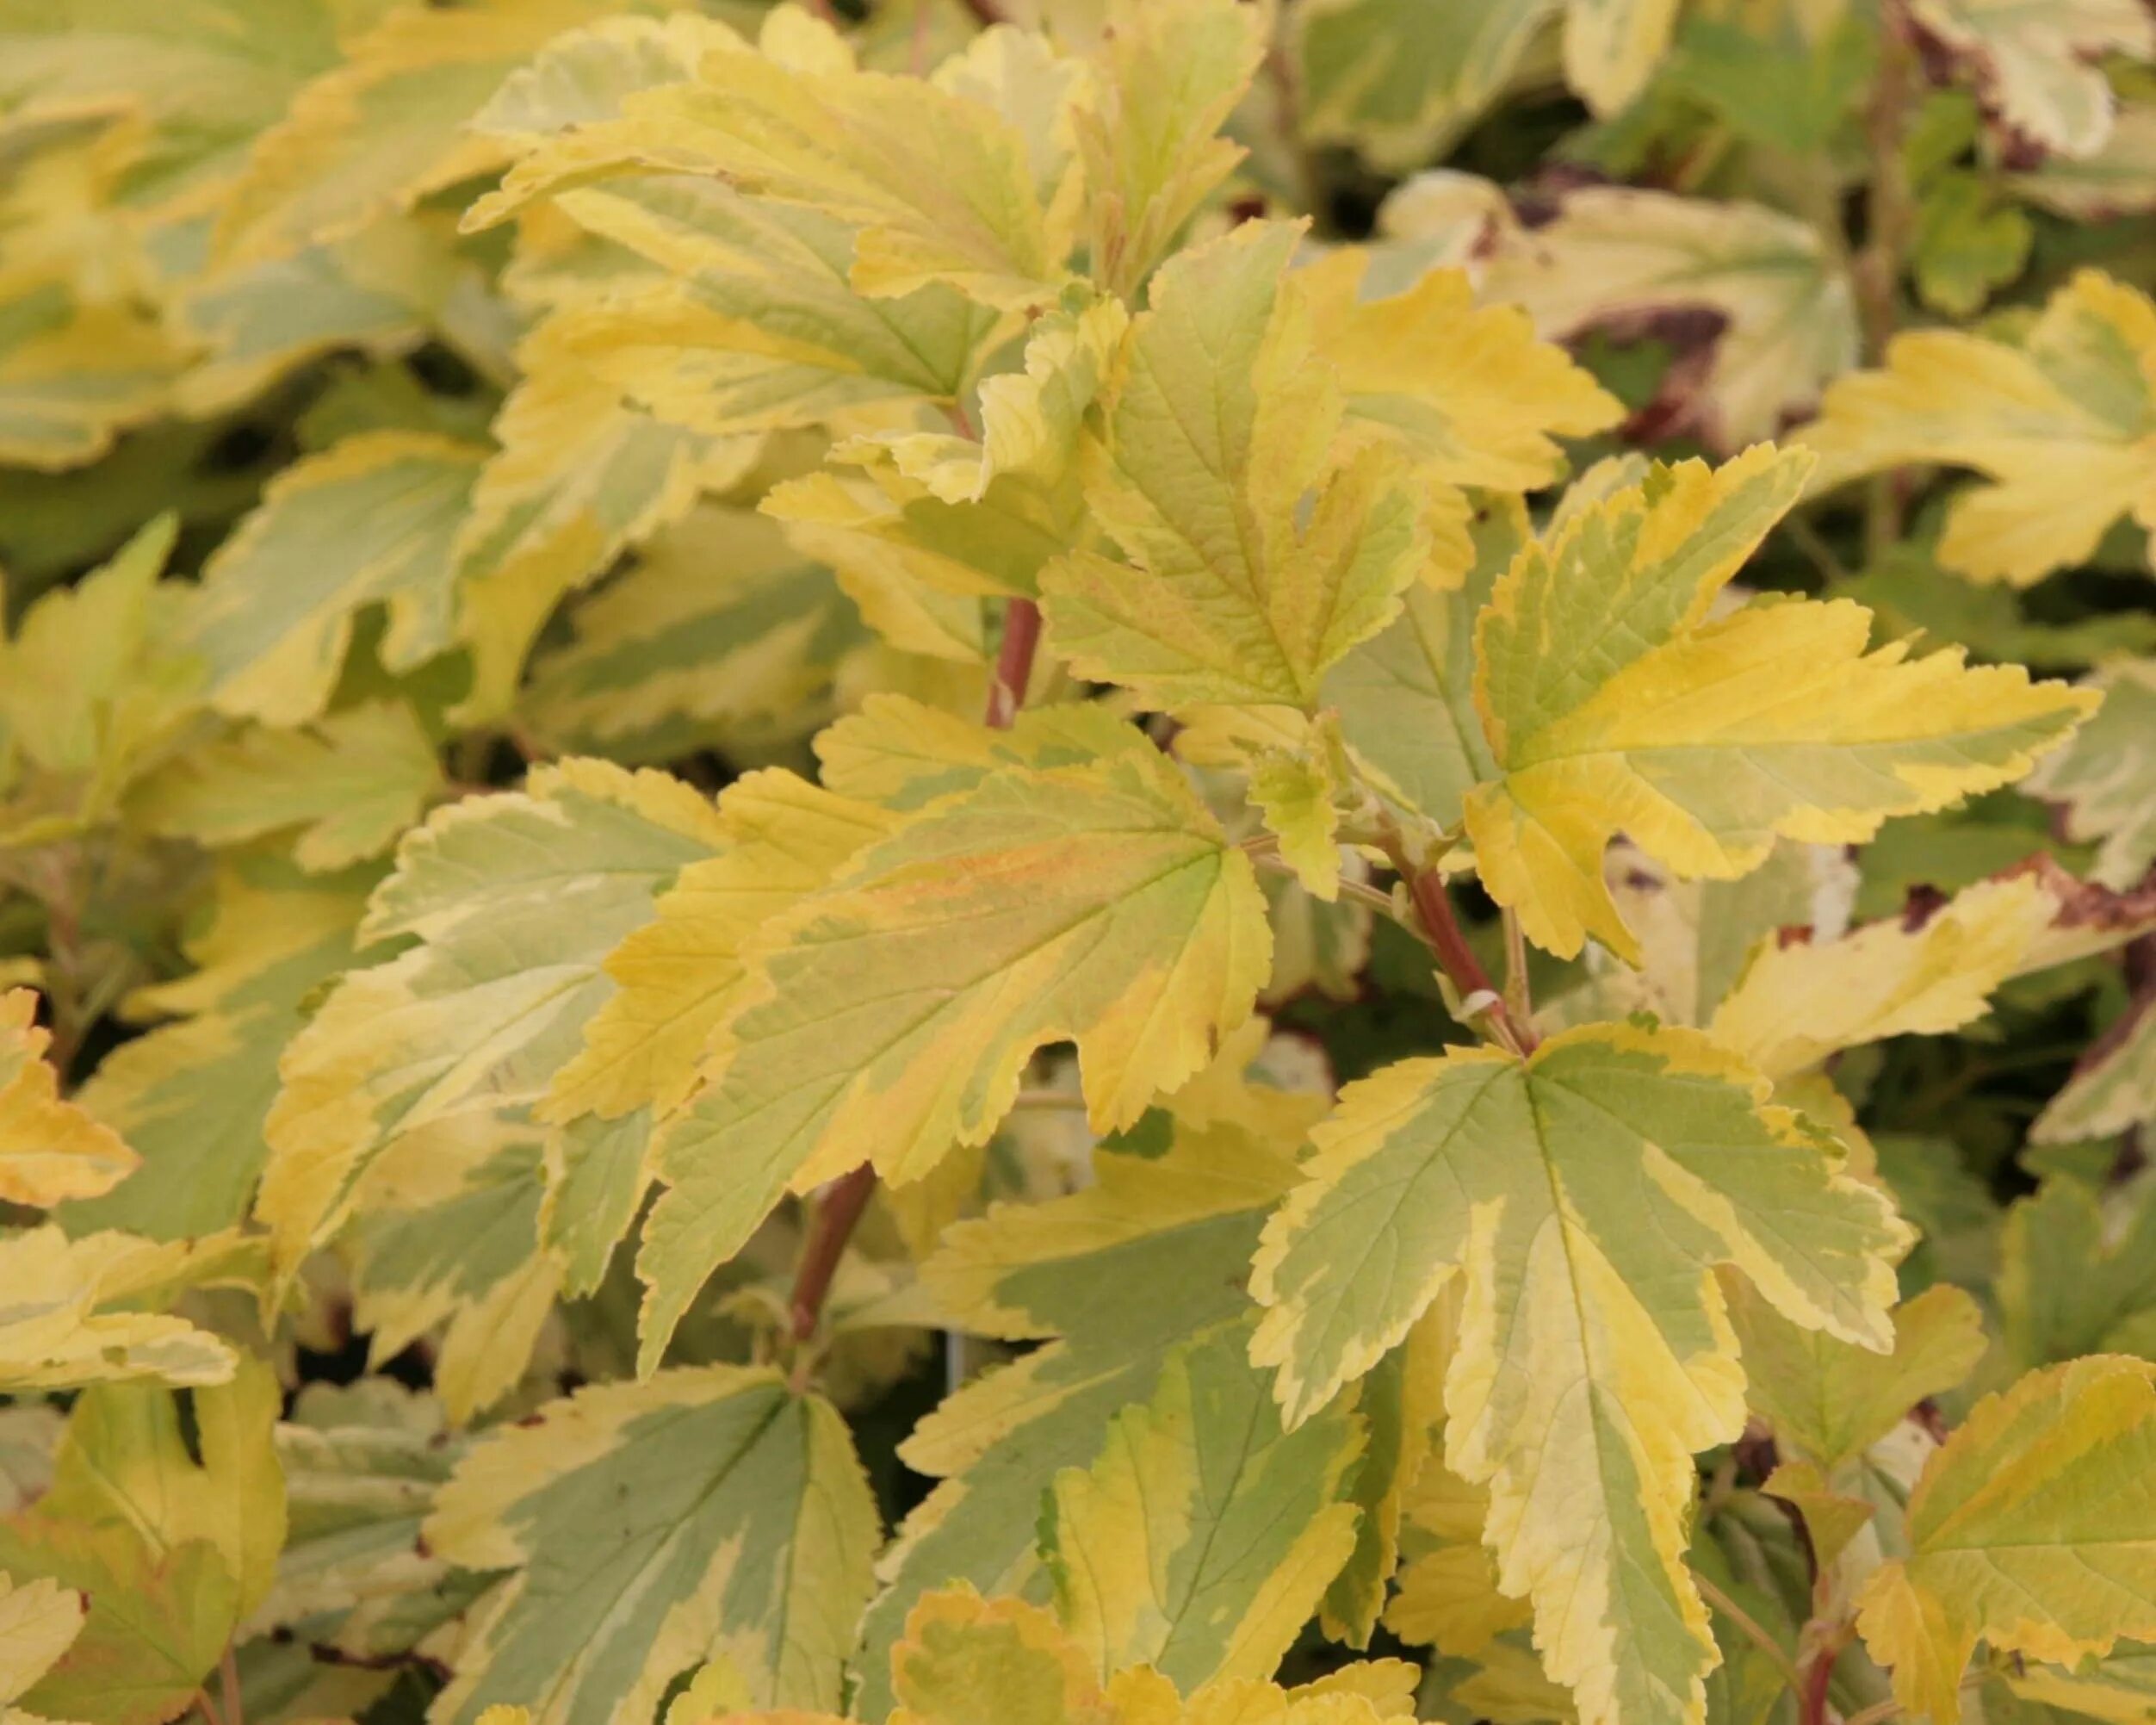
(386, 127)
(386, 288)
(514, 900)
(2106, 774)
(192, 1096)
(38, 1619)
(353, 781)
(1100, 903)
(1697, 938)
(1474, 397)
(729, 1515)
(1796, 1004)
(1448, 1596)
(767, 334)
(361, 1465)
(1170, 72)
(934, 185)
(1747, 290)
(965, 1661)
(1202, 1538)
(1966, 245)
(677, 976)
(2060, 423)
(208, 75)
(1832, 1520)
(2036, 71)
(74, 375)
(1405, 698)
(1827, 1400)
(1402, 1405)
(93, 694)
(2073, 1279)
(1296, 791)
(1236, 587)
(722, 630)
(582, 475)
(172, 1552)
(1401, 79)
(372, 521)
(1112, 1280)
(1528, 1179)
(2113, 1087)
(2031, 1530)
(59, 1326)
(447, 1234)
(1704, 740)
(50, 1149)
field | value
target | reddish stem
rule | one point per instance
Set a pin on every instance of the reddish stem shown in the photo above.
(844, 1200)
(1441, 929)
(1817, 1677)
(839, 1210)
(1015, 664)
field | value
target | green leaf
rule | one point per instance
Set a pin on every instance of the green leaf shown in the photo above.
(1112, 1280)
(1400, 79)
(1202, 1538)
(352, 782)
(1099, 904)
(1529, 1179)
(722, 632)
(193, 1095)
(173, 1553)
(2032, 1528)
(1828, 1400)
(373, 521)
(1258, 551)
(2074, 1280)
(1642, 727)
(415, 1081)
(705, 1514)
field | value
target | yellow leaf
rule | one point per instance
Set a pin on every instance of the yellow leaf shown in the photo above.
(73, 1312)
(39, 1619)
(1584, 1195)
(2062, 423)
(352, 782)
(371, 521)
(1472, 393)
(50, 1149)
(1169, 74)
(386, 127)
(750, 1542)
(2106, 774)
(1701, 740)
(1832, 1519)
(935, 185)
(677, 976)
(1258, 546)
(1794, 1005)
(1100, 904)
(1202, 1538)
(2033, 1528)
(1754, 287)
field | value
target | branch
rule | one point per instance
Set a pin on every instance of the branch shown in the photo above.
(840, 1208)
(1440, 931)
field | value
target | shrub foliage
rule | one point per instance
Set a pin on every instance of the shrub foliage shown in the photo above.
(1099, 862)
